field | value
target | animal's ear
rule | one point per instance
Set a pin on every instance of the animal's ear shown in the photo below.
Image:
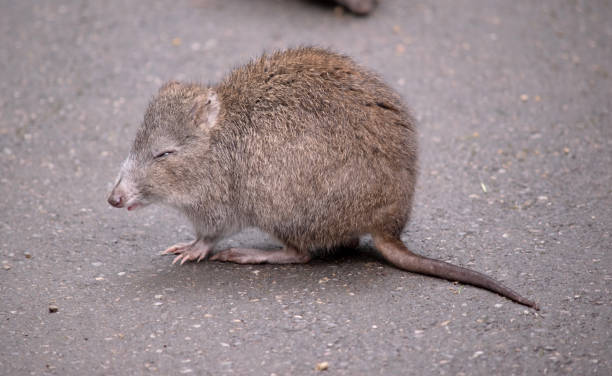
(205, 110)
(169, 87)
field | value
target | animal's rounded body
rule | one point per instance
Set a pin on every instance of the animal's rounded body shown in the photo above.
(303, 144)
(325, 151)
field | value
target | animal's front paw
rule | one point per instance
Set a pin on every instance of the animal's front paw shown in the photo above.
(188, 251)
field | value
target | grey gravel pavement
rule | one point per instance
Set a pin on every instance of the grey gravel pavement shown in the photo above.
(513, 100)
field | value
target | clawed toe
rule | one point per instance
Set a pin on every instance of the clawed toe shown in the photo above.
(177, 258)
(175, 249)
(188, 252)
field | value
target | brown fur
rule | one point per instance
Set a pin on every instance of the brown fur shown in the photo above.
(324, 144)
(303, 144)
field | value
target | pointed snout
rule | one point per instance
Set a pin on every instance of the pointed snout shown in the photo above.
(117, 197)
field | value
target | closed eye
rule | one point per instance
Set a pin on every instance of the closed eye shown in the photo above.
(164, 154)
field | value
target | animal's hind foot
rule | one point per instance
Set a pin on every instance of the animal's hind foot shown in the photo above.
(260, 256)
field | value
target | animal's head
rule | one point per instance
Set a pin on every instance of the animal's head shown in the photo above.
(165, 161)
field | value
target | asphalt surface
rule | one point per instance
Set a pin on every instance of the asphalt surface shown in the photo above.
(513, 100)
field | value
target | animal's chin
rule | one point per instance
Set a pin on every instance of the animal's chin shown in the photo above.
(136, 205)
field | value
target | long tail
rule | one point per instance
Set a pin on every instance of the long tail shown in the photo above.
(394, 251)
